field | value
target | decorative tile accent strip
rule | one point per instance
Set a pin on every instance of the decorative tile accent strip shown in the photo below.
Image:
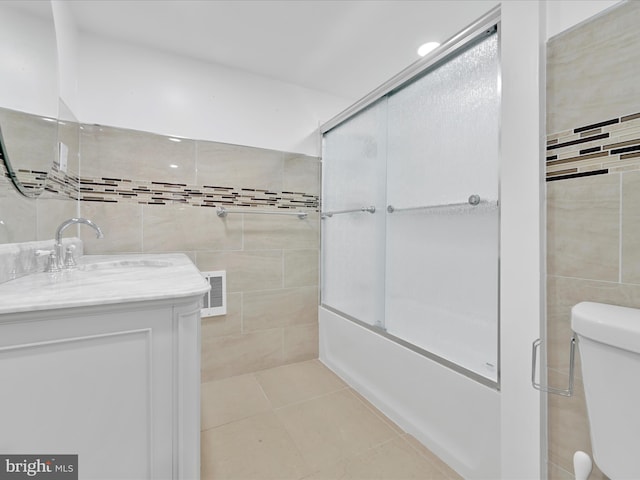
(604, 147)
(62, 184)
(58, 184)
(116, 190)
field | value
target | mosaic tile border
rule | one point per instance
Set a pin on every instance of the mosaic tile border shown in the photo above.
(599, 148)
(58, 184)
(120, 190)
(115, 190)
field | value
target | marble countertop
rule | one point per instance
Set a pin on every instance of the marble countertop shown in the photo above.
(105, 279)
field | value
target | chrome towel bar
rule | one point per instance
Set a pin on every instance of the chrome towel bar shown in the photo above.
(223, 212)
(371, 209)
(567, 392)
(473, 200)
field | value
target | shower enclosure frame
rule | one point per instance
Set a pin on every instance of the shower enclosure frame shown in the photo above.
(484, 26)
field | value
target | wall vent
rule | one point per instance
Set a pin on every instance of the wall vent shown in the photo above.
(215, 300)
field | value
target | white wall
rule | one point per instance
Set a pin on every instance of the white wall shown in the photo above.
(564, 14)
(28, 70)
(522, 231)
(133, 87)
(67, 43)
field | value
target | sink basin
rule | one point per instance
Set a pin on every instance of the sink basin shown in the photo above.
(105, 279)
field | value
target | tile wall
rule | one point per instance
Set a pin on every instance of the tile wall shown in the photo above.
(154, 194)
(32, 144)
(593, 199)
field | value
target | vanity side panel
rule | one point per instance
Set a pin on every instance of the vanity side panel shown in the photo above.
(91, 382)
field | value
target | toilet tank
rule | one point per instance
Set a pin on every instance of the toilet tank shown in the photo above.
(609, 343)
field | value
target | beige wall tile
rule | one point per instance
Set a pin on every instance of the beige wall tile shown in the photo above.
(231, 399)
(564, 293)
(170, 228)
(51, 213)
(30, 141)
(224, 357)
(631, 227)
(225, 165)
(223, 325)
(568, 424)
(19, 222)
(300, 343)
(579, 209)
(135, 155)
(256, 448)
(278, 308)
(247, 270)
(341, 428)
(298, 382)
(287, 232)
(558, 345)
(582, 65)
(301, 174)
(121, 224)
(301, 267)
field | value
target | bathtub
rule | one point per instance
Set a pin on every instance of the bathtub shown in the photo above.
(456, 417)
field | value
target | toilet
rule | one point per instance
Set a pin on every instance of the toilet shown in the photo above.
(609, 342)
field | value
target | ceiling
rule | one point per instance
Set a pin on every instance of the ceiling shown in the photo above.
(343, 47)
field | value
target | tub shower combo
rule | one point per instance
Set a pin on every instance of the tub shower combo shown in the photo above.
(410, 247)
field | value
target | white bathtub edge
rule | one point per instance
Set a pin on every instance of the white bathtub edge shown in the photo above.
(456, 418)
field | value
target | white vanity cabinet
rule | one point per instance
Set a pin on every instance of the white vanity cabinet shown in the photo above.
(118, 384)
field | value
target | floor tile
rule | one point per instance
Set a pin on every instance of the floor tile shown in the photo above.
(393, 460)
(378, 413)
(255, 448)
(448, 472)
(231, 399)
(333, 427)
(297, 382)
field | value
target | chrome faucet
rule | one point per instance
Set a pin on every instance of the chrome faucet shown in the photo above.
(60, 255)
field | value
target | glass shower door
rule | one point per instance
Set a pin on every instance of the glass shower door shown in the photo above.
(353, 239)
(442, 229)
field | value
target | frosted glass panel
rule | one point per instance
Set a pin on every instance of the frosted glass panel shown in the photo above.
(442, 265)
(428, 276)
(353, 243)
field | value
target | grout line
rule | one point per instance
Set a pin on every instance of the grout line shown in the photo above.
(372, 408)
(429, 460)
(141, 227)
(316, 397)
(620, 232)
(242, 332)
(615, 282)
(255, 376)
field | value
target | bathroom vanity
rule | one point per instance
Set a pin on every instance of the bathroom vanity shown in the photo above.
(103, 361)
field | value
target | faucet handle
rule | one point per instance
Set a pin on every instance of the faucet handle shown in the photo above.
(52, 260)
(69, 259)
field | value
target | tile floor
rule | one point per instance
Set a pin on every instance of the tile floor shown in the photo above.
(301, 421)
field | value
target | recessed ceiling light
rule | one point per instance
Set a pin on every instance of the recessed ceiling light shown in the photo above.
(173, 165)
(427, 47)
(173, 139)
